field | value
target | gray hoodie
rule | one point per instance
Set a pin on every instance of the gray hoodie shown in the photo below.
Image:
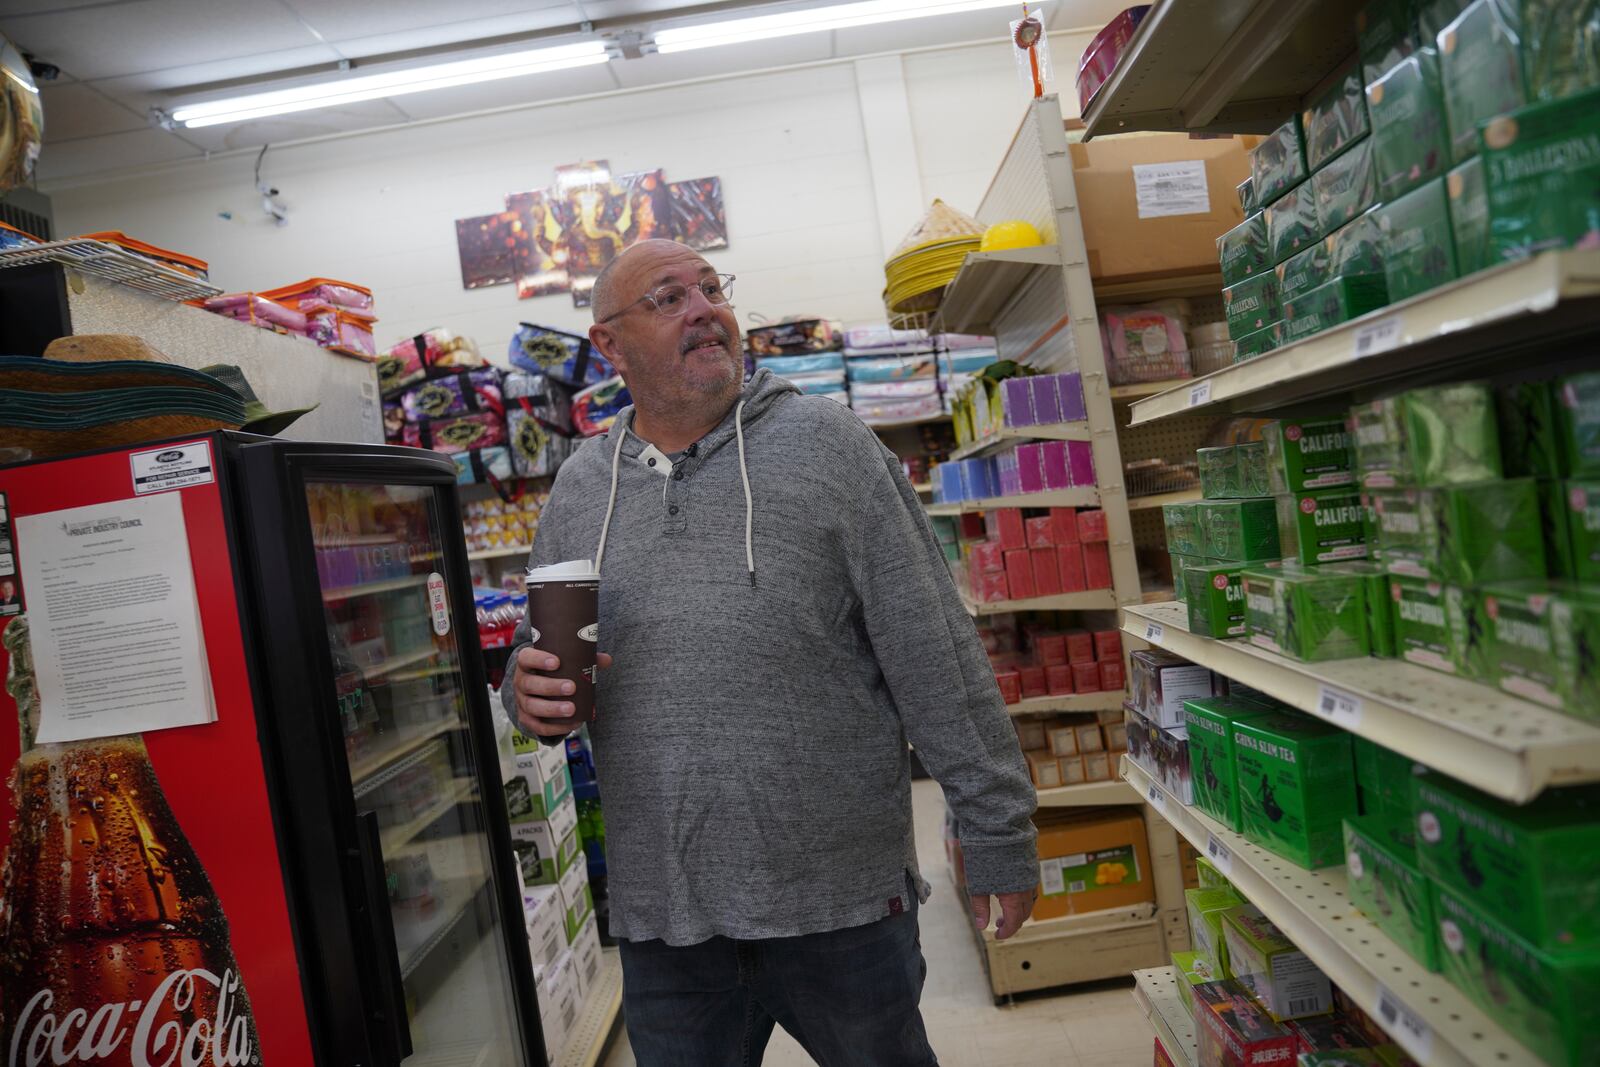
(783, 623)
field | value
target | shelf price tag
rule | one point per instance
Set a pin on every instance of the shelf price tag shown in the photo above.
(1339, 707)
(1220, 855)
(1153, 632)
(1377, 337)
(1406, 1026)
(1158, 799)
(1200, 393)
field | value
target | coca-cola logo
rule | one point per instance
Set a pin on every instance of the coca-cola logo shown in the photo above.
(171, 455)
(79, 1037)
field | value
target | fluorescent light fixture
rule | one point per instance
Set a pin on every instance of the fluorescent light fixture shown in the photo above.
(391, 83)
(812, 20)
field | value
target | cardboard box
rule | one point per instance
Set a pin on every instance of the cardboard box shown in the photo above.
(1322, 527)
(1080, 646)
(1111, 675)
(542, 914)
(1541, 171)
(1044, 769)
(1206, 875)
(1033, 682)
(1408, 133)
(1244, 250)
(1251, 305)
(1063, 740)
(1184, 535)
(539, 779)
(1303, 272)
(1096, 565)
(1162, 751)
(1215, 600)
(1295, 786)
(1107, 644)
(1232, 1031)
(1292, 222)
(1125, 238)
(1086, 678)
(1577, 403)
(1046, 574)
(1092, 526)
(1254, 475)
(1071, 769)
(1205, 909)
(1219, 472)
(1162, 681)
(1058, 679)
(1192, 969)
(1468, 198)
(1386, 32)
(1384, 884)
(577, 903)
(1278, 163)
(1356, 248)
(1116, 735)
(1211, 721)
(586, 956)
(1319, 614)
(1091, 860)
(1089, 738)
(546, 849)
(557, 987)
(1097, 767)
(1255, 344)
(1005, 525)
(1030, 734)
(1335, 301)
(1066, 525)
(1335, 120)
(1419, 251)
(1281, 977)
(1039, 532)
(1239, 530)
(1333, 1034)
(1019, 574)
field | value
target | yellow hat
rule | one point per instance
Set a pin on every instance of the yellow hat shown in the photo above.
(1013, 233)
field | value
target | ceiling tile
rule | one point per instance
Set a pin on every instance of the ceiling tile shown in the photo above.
(512, 91)
(925, 32)
(73, 110)
(92, 154)
(757, 56)
(374, 27)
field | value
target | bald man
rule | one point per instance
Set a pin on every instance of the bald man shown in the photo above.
(779, 622)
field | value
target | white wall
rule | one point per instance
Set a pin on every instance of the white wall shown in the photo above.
(791, 148)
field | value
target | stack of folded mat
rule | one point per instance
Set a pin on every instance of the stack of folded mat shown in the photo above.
(819, 374)
(336, 315)
(892, 374)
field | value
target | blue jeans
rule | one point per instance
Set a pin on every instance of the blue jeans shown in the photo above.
(849, 997)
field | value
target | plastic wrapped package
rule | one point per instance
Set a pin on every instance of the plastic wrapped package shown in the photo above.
(11, 237)
(824, 382)
(1146, 344)
(257, 311)
(566, 357)
(1336, 120)
(1304, 271)
(795, 338)
(1345, 188)
(483, 465)
(891, 368)
(1251, 305)
(1560, 47)
(1292, 222)
(1330, 304)
(394, 421)
(461, 393)
(1356, 247)
(912, 390)
(1386, 33)
(461, 434)
(322, 291)
(535, 451)
(877, 411)
(1480, 70)
(1244, 251)
(1409, 145)
(1419, 252)
(880, 339)
(352, 333)
(1469, 216)
(596, 408)
(1543, 177)
(787, 366)
(544, 399)
(1278, 163)
(412, 359)
(1105, 51)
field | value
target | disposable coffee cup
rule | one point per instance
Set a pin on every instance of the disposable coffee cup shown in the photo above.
(564, 614)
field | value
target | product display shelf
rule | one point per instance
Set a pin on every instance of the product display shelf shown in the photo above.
(1504, 746)
(1091, 600)
(114, 264)
(921, 487)
(1206, 283)
(1050, 498)
(393, 663)
(1068, 702)
(1512, 315)
(1156, 991)
(987, 283)
(1161, 500)
(402, 744)
(383, 585)
(1435, 1023)
(1089, 795)
(1140, 390)
(901, 424)
(1007, 437)
(500, 553)
(597, 1018)
(456, 897)
(1225, 66)
(396, 837)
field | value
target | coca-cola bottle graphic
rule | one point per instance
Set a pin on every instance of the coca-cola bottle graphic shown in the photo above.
(116, 949)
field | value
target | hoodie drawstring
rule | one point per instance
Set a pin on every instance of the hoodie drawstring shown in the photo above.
(621, 431)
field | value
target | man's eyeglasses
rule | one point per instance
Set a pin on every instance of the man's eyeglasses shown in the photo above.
(671, 301)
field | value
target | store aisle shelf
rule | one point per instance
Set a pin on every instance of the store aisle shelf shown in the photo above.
(382, 585)
(1140, 390)
(1206, 283)
(1514, 313)
(921, 487)
(1156, 991)
(1161, 500)
(1092, 600)
(1050, 498)
(987, 282)
(901, 424)
(1507, 747)
(497, 553)
(1313, 911)
(1067, 702)
(602, 1007)
(1224, 66)
(1006, 437)
(1089, 795)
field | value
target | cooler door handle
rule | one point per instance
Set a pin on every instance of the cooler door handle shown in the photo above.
(395, 1035)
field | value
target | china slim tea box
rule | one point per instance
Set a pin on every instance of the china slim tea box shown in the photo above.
(1243, 250)
(1480, 70)
(1255, 478)
(1211, 721)
(1205, 908)
(1219, 472)
(1295, 786)
(1418, 250)
(1542, 169)
(1335, 120)
(1550, 1001)
(1251, 305)
(1304, 271)
(1532, 866)
(1278, 163)
(1383, 787)
(1408, 133)
(1322, 527)
(1282, 979)
(1384, 884)
(1292, 222)
(1336, 301)
(1308, 453)
(1374, 581)
(1345, 188)
(1577, 404)
(1239, 530)
(1469, 215)
(1215, 599)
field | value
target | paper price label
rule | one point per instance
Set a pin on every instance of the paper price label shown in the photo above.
(1158, 799)
(1377, 337)
(1153, 632)
(1200, 393)
(1339, 708)
(1406, 1026)
(1220, 855)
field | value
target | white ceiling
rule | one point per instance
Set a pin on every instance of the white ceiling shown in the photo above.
(121, 58)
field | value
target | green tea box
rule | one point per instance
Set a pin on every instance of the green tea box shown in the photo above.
(1375, 596)
(1219, 472)
(1422, 624)
(1386, 32)
(1356, 248)
(1321, 616)
(1340, 300)
(1418, 251)
(1180, 564)
(1538, 642)
(1278, 163)
(1480, 71)
(1184, 535)
(1322, 527)
(1383, 784)
(1215, 598)
(1308, 452)
(1384, 884)
(1282, 979)
(1295, 786)
(1439, 435)
(1532, 866)
(1345, 188)
(1206, 872)
(1548, 1001)
(1542, 169)
(1211, 721)
(1575, 625)
(1260, 584)
(1255, 476)
(1559, 56)
(1469, 216)
(1192, 969)
(1577, 401)
(1580, 514)
(1256, 344)
(1205, 908)
(1247, 196)
(1335, 120)
(1292, 222)
(1401, 541)
(1408, 133)
(1469, 629)
(1239, 530)
(1243, 250)
(1251, 305)
(1304, 271)
(1529, 429)
(1487, 532)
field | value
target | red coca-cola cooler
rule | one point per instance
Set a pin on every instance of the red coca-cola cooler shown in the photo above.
(295, 856)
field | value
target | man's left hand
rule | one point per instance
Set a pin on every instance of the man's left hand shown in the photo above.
(1014, 910)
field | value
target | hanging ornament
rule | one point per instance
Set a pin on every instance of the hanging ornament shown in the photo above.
(1033, 56)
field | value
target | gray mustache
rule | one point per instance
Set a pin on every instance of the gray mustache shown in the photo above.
(700, 337)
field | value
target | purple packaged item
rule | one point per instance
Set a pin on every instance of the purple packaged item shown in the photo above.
(1054, 456)
(461, 393)
(1010, 474)
(1016, 401)
(257, 311)
(1046, 398)
(1030, 467)
(1080, 463)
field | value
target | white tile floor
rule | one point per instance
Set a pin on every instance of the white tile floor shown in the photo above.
(1098, 1027)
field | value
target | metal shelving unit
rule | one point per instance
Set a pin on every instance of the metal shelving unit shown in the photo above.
(1093, 600)
(1089, 795)
(1068, 702)
(1050, 498)
(602, 1007)
(383, 585)
(988, 283)
(1156, 991)
(1434, 1022)
(1006, 437)
(1161, 500)
(1506, 747)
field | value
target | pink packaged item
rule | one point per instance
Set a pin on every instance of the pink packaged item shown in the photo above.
(353, 334)
(462, 434)
(912, 390)
(1105, 51)
(1080, 462)
(1146, 344)
(323, 291)
(1056, 475)
(895, 410)
(1030, 467)
(257, 311)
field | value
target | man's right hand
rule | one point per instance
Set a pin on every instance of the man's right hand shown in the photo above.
(543, 707)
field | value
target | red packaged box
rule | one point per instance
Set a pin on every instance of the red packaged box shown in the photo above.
(986, 556)
(1096, 565)
(1091, 525)
(1234, 1031)
(1161, 1058)
(1019, 573)
(972, 526)
(1326, 1033)
(1107, 644)
(1005, 525)
(1040, 532)
(1046, 576)
(1065, 521)
(1069, 560)
(1080, 646)
(1010, 686)
(1110, 675)
(1086, 677)
(1051, 649)
(1058, 679)
(1033, 682)
(989, 586)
